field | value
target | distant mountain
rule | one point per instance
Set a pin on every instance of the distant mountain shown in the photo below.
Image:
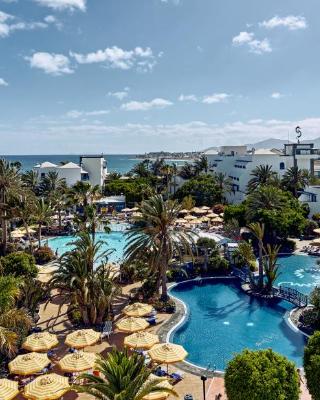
(269, 144)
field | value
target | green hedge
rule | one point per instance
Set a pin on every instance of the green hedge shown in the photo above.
(19, 264)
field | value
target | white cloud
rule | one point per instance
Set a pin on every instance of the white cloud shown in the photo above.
(216, 98)
(63, 4)
(51, 63)
(115, 57)
(10, 24)
(77, 114)
(121, 95)
(157, 103)
(291, 22)
(188, 97)
(276, 95)
(255, 46)
(3, 82)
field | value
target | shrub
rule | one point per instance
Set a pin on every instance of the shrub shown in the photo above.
(311, 364)
(206, 243)
(316, 217)
(309, 227)
(43, 255)
(218, 208)
(218, 265)
(263, 374)
(165, 306)
(19, 264)
(148, 288)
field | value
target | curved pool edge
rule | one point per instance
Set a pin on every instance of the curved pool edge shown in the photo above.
(292, 325)
(167, 331)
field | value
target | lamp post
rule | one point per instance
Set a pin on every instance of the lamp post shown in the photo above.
(204, 378)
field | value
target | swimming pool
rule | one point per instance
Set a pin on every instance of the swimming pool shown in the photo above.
(114, 240)
(222, 321)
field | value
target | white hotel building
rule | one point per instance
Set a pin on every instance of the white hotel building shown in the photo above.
(90, 169)
(237, 163)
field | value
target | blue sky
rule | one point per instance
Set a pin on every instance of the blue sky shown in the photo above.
(127, 76)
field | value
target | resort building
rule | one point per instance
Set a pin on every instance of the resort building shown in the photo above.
(238, 162)
(91, 169)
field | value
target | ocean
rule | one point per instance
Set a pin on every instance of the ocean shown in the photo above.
(121, 163)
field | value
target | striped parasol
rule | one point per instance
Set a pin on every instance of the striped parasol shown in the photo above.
(28, 364)
(164, 384)
(190, 217)
(141, 340)
(41, 341)
(82, 338)
(132, 324)
(167, 353)
(137, 310)
(8, 389)
(47, 387)
(77, 362)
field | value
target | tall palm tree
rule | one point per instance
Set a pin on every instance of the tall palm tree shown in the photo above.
(187, 171)
(201, 165)
(261, 175)
(157, 166)
(83, 193)
(51, 183)
(167, 171)
(13, 321)
(157, 236)
(123, 377)
(43, 213)
(224, 183)
(264, 198)
(85, 280)
(142, 169)
(271, 267)
(258, 231)
(30, 179)
(10, 185)
(92, 220)
(295, 180)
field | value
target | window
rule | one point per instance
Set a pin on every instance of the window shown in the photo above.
(282, 166)
(43, 175)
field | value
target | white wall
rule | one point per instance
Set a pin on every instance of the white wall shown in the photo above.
(71, 175)
(95, 167)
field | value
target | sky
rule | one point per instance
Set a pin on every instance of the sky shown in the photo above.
(130, 76)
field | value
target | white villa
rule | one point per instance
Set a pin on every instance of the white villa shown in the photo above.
(237, 163)
(91, 169)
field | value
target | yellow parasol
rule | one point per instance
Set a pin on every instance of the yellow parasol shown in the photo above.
(167, 353)
(205, 208)
(17, 234)
(28, 364)
(164, 384)
(317, 231)
(23, 230)
(205, 219)
(138, 310)
(132, 324)
(141, 340)
(201, 211)
(315, 243)
(137, 215)
(212, 215)
(8, 389)
(82, 338)
(78, 362)
(41, 341)
(217, 220)
(190, 217)
(184, 211)
(126, 210)
(47, 387)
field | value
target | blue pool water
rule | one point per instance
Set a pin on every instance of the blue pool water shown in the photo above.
(114, 240)
(223, 321)
(300, 272)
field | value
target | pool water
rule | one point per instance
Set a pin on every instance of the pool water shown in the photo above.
(114, 240)
(300, 272)
(222, 321)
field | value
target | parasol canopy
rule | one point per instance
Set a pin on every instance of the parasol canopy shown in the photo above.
(41, 341)
(168, 353)
(8, 389)
(132, 324)
(141, 340)
(138, 310)
(47, 387)
(82, 338)
(28, 364)
(77, 362)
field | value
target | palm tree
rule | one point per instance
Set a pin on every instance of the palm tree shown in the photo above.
(13, 321)
(10, 185)
(123, 377)
(187, 171)
(258, 231)
(167, 171)
(270, 266)
(92, 220)
(42, 214)
(142, 169)
(157, 166)
(295, 180)
(224, 183)
(51, 183)
(262, 175)
(82, 193)
(146, 191)
(156, 236)
(201, 165)
(59, 202)
(85, 280)
(30, 179)
(264, 198)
